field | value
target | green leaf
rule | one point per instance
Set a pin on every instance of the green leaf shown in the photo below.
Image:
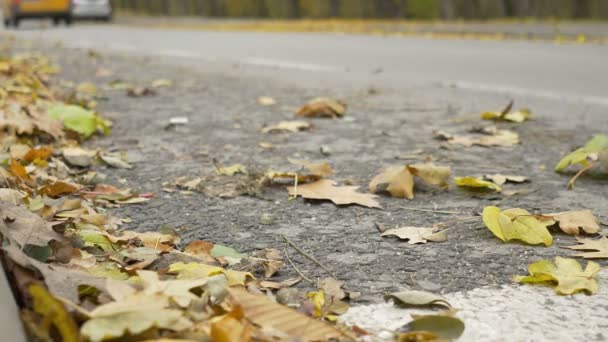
(567, 274)
(446, 327)
(579, 156)
(517, 224)
(78, 119)
(223, 251)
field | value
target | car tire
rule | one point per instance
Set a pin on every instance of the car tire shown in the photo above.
(56, 21)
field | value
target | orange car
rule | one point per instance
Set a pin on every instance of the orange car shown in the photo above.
(15, 10)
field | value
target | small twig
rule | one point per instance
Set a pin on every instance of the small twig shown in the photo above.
(578, 174)
(432, 211)
(74, 306)
(310, 257)
(296, 268)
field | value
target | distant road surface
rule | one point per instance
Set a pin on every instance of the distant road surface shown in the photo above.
(545, 69)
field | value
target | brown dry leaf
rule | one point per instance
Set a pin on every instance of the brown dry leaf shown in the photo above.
(141, 91)
(40, 153)
(571, 222)
(77, 156)
(332, 288)
(18, 170)
(25, 227)
(230, 329)
(431, 174)
(594, 249)
(11, 196)
(59, 188)
(416, 235)
(504, 138)
(318, 169)
(323, 107)
(270, 315)
(157, 241)
(500, 179)
(396, 180)
(201, 250)
(325, 189)
(270, 260)
(287, 126)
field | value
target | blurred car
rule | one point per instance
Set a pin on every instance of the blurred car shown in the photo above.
(92, 9)
(15, 10)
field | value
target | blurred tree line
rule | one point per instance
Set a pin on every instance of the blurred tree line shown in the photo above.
(413, 9)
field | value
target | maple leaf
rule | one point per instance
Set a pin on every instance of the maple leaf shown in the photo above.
(416, 235)
(323, 107)
(474, 182)
(320, 170)
(325, 189)
(517, 224)
(595, 249)
(571, 222)
(568, 275)
(287, 126)
(396, 180)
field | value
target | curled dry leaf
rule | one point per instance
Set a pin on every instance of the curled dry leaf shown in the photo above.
(431, 174)
(77, 156)
(502, 138)
(287, 126)
(594, 249)
(396, 180)
(323, 107)
(507, 115)
(567, 275)
(416, 298)
(517, 224)
(416, 235)
(571, 222)
(325, 189)
(475, 182)
(500, 179)
(321, 170)
(446, 328)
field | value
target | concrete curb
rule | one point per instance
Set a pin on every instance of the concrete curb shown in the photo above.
(10, 323)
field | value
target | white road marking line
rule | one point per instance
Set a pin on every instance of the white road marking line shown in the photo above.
(495, 88)
(275, 63)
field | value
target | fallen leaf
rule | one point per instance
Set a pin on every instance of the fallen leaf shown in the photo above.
(162, 82)
(59, 188)
(474, 182)
(445, 327)
(507, 115)
(431, 174)
(103, 72)
(517, 224)
(580, 156)
(266, 101)
(133, 315)
(54, 314)
(231, 170)
(416, 298)
(140, 91)
(500, 179)
(40, 153)
(18, 170)
(87, 88)
(396, 180)
(321, 170)
(78, 119)
(229, 329)
(595, 249)
(77, 156)
(566, 274)
(571, 222)
(11, 196)
(115, 160)
(325, 189)
(270, 315)
(332, 288)
(416, 235)
(287, 126)
(503, 138)
(323, 107)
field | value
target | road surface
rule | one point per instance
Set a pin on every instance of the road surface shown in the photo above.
(421, 85)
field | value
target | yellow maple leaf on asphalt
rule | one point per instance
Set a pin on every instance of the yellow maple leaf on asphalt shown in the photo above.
(507, 115)
(325, 189)
(431, 174)
(517, 224)
(568, 275)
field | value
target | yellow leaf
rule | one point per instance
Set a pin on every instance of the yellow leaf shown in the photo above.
(54, 313)
(567, 274)
(500, 179)
(317, 169)
(595, 145)
(162, 82)
(474, 182)
(517, 224)
(266, 101)
(506, 114)
(232, 170)
(396, 180)
(323, 107)
(193, 270)
(431, 174)
(229, 329)
(318, 300)
(325, 189)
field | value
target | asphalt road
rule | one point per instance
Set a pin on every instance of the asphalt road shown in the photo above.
(473, 269)
(545, 69)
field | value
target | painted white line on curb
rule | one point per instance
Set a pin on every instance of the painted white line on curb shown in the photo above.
(495, 88)
(512, 313)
